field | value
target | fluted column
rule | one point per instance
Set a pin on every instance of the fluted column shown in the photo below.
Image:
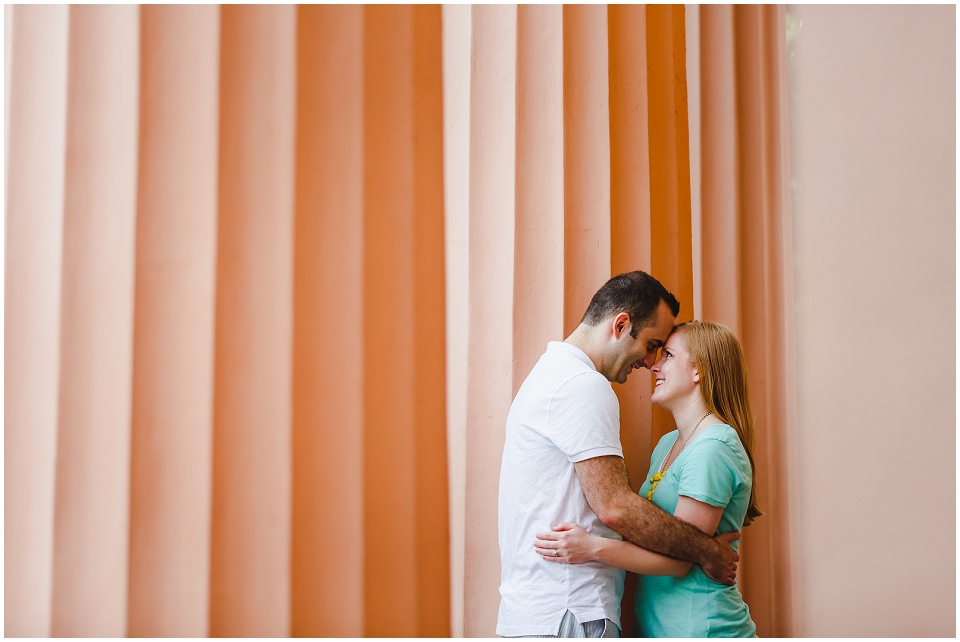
(747, 282)
(457, 24)
(670, 227)
(630, 219)
(369, 408)
(92, 525)
(173, 369)
(538, 278)
(250, 529)
(34, 237)
(490, 323)
(586, 119)
(326, 576)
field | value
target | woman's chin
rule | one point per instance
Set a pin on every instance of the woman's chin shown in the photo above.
(657, 398)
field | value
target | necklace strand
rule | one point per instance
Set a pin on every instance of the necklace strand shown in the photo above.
(655, 480)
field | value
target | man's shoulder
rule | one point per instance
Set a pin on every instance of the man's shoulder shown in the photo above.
(587, 386)
(555, 369)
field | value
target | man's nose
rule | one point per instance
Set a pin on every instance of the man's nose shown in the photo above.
(650, 360)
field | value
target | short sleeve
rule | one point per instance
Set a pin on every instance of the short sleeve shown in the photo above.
(711, 472)
(584, 418)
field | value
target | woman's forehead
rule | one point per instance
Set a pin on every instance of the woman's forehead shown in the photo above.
(675, 341)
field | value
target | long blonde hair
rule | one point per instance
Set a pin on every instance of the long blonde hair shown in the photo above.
(717, 353)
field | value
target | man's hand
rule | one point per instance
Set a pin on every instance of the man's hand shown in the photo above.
(723, 568)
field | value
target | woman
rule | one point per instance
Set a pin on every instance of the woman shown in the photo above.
(701, 473)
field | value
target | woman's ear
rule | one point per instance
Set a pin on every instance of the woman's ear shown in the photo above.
(696, 376)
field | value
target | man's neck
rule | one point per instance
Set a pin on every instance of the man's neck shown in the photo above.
(585, 338)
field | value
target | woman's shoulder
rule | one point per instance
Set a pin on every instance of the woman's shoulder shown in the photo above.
(722, 437)
(724, 433)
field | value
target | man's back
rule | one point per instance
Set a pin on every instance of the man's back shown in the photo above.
(564, 412)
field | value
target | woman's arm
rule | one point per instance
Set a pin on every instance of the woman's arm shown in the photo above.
(629, 556)
(570, 544)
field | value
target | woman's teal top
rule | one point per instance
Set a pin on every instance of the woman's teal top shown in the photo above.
(713, 469)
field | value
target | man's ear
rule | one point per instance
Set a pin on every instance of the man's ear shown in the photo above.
(621, 324)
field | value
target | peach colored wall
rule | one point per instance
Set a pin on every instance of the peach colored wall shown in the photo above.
(228, 227)
(224, 291)
(873, 130)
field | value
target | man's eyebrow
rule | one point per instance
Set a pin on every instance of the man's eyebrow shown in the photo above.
(656, 343)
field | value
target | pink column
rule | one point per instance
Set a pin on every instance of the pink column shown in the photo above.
(539, 252)
(92, 524)
(490, 325)
(174, 322)
(250, 546)
(35, 192)
(586, 121)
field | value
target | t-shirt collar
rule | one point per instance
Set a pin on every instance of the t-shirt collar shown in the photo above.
(569, 348)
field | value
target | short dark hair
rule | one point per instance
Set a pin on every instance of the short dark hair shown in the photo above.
(636, 293)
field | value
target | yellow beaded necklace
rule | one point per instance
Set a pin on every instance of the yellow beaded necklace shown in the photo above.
(655, 480)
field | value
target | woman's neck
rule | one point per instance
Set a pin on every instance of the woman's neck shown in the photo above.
(689, 415)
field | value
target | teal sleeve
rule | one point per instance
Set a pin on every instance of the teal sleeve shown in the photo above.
(711, 472)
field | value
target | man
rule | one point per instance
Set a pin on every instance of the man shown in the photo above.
(562, 462)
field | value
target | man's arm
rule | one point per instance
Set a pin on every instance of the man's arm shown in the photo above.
(605, 485)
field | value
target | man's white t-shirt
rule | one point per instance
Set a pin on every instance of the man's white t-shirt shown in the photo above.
(564, 412)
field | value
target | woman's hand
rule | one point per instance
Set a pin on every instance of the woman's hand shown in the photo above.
(569, 544)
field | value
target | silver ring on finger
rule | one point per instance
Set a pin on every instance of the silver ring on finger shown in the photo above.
(556, 553)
